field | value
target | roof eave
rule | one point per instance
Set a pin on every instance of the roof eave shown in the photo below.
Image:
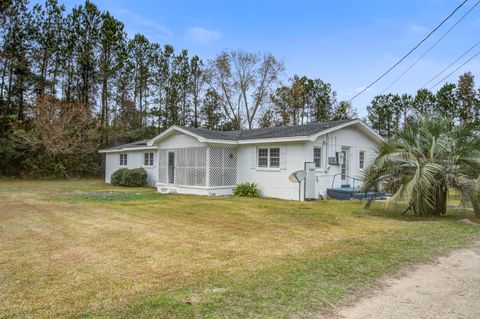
(274, 140)
(140, 148)
(372, 133)
(219, 141)
(175, 128)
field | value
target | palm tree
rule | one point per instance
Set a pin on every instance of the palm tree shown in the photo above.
(425, 159)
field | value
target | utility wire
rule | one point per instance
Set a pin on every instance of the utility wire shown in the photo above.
(464, 63)
(450, 65)
(410, 52)
(431, 47)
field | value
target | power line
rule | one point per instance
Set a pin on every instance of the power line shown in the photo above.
(450, 65)
(410, 52)
(464, 63)
(431, 47)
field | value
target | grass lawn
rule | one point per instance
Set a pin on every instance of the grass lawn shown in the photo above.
(85, 249)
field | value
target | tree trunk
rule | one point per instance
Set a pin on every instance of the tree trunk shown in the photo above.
(441, 201)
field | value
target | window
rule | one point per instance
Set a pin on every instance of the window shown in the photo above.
(148, 159)
(263, 157)
(123, 159)
(317, 156)
(274, 157)
(269, 157)
(361, 159)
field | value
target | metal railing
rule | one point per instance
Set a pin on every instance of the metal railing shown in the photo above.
(353, 179)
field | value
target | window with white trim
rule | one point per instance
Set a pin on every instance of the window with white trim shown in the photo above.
(274, 157)
(123, 159)
(268, 157)
(361, 159)
(263, 157)
(148, 159)
(317, 156)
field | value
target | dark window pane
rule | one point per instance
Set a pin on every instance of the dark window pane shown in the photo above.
(262, 162)
(274, 162)
(274, 152)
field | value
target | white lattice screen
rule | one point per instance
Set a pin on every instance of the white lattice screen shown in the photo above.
(223, 166)
(191, 166)
(162, 166)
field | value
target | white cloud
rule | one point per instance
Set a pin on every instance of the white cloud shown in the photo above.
(135, 23)
(416, 28)
(202, 35)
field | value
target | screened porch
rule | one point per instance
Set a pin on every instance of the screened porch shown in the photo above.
(198, 167)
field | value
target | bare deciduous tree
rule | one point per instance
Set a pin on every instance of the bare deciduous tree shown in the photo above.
(244, 81)
(61, 128)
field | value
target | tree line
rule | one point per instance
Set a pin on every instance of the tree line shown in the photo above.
(459, 103)
(72, 82)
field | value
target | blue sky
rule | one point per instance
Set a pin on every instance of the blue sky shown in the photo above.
(346, 43)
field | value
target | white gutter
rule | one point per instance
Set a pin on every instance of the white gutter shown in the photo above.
(140, 148)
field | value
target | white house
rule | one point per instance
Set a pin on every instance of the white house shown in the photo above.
(205, 162)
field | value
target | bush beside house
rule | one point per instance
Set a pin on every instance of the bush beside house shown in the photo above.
(247, 190)
(129, 177)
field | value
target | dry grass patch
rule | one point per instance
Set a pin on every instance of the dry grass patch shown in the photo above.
(71, 248)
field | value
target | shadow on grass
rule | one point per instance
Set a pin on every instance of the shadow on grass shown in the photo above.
(106, 196)
(395, 210)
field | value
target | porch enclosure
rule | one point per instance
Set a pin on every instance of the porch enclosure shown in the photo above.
(202, 167)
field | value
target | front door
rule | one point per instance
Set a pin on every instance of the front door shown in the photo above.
(345, 165)
(171, 167)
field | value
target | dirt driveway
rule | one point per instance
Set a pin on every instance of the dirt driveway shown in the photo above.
(448, 287)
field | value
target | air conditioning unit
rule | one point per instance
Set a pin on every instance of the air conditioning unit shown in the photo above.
(332, 161)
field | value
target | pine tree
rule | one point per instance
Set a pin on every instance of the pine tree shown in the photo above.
(112, 41)
(323, 99)
(16, 73)
(46, 53)
(197, 82)
(141, 50)
(424, 102)
(446, 102)
(384, 114)
(467, 98)
(211, 112)
(87, 31)
(344, 111)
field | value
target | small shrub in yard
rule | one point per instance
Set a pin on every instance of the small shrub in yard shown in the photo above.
(129, 177)
(117, 176)
(247, 190)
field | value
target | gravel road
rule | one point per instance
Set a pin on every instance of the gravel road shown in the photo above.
(448, 287)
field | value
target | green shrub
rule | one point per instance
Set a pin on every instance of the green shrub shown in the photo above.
(117, 177)
(135, 177)
(129, 177)
(247, 190)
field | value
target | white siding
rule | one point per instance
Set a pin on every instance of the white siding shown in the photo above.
(135, 159)
(351, 137)
(272, 181)
(179, 140)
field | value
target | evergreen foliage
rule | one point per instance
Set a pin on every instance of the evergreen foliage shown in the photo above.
(136, 177)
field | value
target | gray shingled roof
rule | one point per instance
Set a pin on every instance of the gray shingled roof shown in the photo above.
(270, 132)
(259, 133)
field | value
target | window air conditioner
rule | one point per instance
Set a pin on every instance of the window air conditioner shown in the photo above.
(332, 161)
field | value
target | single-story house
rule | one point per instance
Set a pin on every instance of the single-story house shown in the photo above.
(199, 161)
